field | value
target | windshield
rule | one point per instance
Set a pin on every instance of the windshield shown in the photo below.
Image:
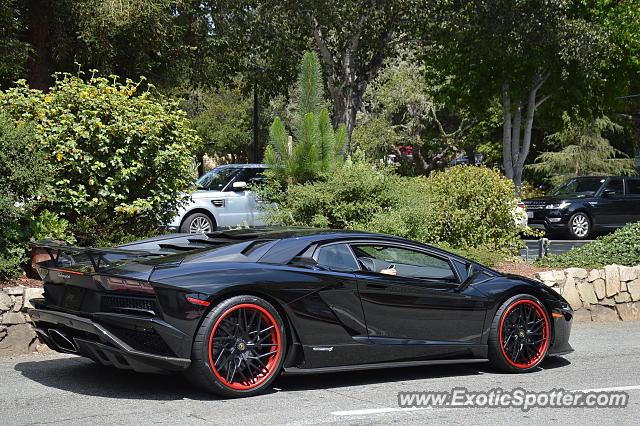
(216, 179)
(580, 187)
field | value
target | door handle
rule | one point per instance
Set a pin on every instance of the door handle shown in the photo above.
(380, 286)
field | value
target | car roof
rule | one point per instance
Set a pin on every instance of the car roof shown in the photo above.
(242, 166)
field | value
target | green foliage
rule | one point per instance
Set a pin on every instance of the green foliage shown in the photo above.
(621, 248)
(91, 233)
(122, 155)
(482, 255)
(352, 195)
(223, 121)
(13, 51)
(464, 207)
(586, 152)
(316, 149)
(25, 177)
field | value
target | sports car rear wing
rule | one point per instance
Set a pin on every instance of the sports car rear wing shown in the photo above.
(47, 254)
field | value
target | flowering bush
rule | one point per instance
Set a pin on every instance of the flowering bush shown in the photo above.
(122, 153)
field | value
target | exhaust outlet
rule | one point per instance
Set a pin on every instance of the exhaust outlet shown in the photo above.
(62, 341)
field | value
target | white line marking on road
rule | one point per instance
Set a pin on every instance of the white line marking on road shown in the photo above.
(619, 388)
(385, 410)
(378, 411)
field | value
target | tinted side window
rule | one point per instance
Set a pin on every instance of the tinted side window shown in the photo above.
(616, 186)
(337, 256)
(633, 186)
(249, 174)
(405, 262)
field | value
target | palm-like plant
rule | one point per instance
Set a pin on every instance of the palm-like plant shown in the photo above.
(316, 148)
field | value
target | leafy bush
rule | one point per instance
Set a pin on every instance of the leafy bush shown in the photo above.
(482, 255)
(621, 248)
(25, 177)
(353, 194)
(464, 207)
(122, 156)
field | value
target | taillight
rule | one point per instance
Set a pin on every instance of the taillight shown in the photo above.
(521, 205)
(121, 284)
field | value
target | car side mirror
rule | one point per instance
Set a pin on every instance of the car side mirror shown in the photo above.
(608, 193)
(239, 185)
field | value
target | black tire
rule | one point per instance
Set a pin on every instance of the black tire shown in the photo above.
(579, 226)
(196, 222)
(226, 365)
(531, 340)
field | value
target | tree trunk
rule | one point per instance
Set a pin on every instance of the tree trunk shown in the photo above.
(507, 159)
(38, 35)
(515, 153)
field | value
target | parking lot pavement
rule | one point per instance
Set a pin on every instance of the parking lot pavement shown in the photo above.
(60, 389)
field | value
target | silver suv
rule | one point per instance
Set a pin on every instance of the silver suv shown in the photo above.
(222, 200)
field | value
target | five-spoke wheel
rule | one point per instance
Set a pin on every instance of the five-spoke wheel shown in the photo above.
(520, 334)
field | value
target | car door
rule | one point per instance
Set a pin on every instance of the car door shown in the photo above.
(409, 297)
(252, 176)
(632, 197)
(610, 209)
(237, 210)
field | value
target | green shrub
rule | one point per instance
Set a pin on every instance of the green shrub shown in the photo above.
(25, 178)
(621, 248)
(482, 255)
(464, 207)
(123, 154)
(353, 194)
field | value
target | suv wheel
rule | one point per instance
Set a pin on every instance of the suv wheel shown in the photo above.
(198, 223)
(579, 226)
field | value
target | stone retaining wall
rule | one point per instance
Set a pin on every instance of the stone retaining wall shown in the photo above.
(16, 334)
(608, 294)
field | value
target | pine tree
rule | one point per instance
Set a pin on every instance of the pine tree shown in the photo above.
(586, 152)
(316, 148)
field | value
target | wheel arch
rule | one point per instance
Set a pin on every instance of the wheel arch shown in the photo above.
(529, 291)
(293, 352)
(199, 210)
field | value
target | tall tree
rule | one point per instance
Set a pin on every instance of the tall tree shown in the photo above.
(525, 52)
(316, 149)
(353, 37)
(13, 50)
(585, 152)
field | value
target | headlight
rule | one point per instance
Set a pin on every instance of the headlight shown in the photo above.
(558, 206)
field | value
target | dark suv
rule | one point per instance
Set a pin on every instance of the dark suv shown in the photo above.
(586, 204)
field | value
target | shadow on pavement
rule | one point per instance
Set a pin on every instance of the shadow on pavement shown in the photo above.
(84, 377)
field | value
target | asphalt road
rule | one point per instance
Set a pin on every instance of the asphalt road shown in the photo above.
(59, 389)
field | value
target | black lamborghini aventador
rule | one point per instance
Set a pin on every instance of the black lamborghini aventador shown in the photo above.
(235, 309)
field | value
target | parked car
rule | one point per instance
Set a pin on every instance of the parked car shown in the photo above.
(222, 200)
(584, 205)
(234, 309)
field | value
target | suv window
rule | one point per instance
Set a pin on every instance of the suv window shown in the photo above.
(633, 186)
(616, 186)
(250, 175)
(216, 179)
(405, 262)
(337, 256)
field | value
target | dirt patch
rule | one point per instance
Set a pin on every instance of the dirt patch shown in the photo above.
(524, 269)
(26, 282)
